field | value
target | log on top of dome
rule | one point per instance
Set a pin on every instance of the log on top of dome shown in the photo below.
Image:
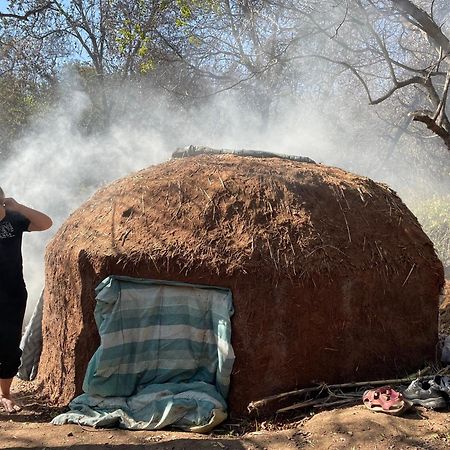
(329, 270)
(195, 150)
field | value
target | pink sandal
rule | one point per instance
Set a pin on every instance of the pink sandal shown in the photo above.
(385, 399)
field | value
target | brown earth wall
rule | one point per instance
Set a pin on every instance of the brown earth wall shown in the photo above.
(285, 335)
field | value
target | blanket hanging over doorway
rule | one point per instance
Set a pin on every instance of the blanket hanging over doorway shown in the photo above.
(165, 357)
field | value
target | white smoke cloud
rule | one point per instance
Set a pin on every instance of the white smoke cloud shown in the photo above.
(55, 167)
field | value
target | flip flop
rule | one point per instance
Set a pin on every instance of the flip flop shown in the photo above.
(386, 400)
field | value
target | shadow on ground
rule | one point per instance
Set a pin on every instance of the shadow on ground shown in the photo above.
(177, 444)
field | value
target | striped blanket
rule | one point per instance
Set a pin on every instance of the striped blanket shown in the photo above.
(165, 357)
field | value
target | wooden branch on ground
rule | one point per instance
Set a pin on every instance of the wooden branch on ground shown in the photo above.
(260, 403)
(347, 401)
(304, 404)
(321, 403)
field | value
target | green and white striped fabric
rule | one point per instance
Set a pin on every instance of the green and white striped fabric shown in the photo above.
(165, 357)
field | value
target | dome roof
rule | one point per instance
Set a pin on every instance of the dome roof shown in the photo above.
(226, 214)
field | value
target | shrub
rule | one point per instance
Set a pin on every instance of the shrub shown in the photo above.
(434, 216)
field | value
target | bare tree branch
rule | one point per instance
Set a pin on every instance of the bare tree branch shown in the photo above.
(342, 21)
(439, 115)
(27, 14)
(424, 117)
(424, 22)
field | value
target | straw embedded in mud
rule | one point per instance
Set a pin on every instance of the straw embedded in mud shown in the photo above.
(317, 258)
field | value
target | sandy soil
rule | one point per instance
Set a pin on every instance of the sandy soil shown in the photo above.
(347, 428)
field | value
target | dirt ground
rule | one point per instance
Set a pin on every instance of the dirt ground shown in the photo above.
(348, 428)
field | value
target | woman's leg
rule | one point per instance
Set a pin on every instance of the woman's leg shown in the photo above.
(13, 310)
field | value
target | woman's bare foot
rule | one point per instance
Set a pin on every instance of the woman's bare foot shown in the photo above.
(9, 405)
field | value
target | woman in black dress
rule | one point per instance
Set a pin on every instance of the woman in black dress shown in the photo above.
(15, 218)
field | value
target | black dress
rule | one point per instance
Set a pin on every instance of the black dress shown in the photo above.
(13, 294)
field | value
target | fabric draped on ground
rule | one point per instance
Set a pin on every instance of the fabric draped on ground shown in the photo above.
(31, 344)
(165, 357)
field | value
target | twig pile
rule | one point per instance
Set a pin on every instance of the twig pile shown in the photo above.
(333, 395)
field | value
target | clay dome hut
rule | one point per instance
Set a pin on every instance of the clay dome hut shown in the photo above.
(332, 277)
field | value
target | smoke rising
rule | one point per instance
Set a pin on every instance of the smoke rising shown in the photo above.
(56, 167)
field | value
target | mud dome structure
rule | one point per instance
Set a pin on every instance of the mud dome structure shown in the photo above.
(332, 277)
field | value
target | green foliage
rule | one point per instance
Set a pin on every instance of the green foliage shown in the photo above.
(187, 8)
(434, 216)
(132, 38)
(194, 40)
(188, 13)
(146, 66)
